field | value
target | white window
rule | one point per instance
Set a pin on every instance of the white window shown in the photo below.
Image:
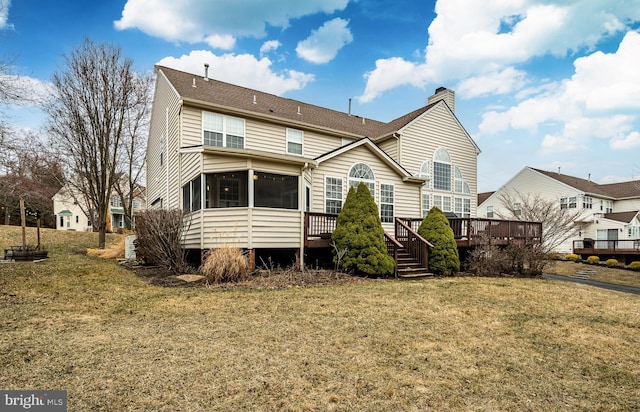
(294, 141)
(425, 172)
(442, 202)
(564, 203)
(608, 206)
(489, 212)
(115, 201)
(386, 203)
(333, 195)
(136, 204)
(360, 172)
(573, 202)
(425, 204)
(466, 209)
(457, 206)
(222, 131)
(459, 183)
(587, 202)
(441, 170)
(517, 209)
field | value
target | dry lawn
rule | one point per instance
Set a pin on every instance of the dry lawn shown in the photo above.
(603, 274)
(115, 342)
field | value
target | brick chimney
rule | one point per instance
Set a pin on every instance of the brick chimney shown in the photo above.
(442, 93)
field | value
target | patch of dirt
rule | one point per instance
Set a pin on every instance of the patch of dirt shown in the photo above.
(260, 279)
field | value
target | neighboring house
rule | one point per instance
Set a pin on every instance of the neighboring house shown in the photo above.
(249, 167)
(71, 212)
(608, 212)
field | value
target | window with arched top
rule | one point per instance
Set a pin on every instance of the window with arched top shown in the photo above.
(458, 182)
(425, 172)
(361, 172)
(441, 170)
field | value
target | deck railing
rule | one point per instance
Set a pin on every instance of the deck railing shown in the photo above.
(393, 249)
(595, 247)
(413, 243)
(475, 231)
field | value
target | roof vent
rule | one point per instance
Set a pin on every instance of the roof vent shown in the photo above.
(194, 82)
(254, 99)
(206, 72)
(299, 110)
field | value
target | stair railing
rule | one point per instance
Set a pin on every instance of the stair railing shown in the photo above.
(413, 243)
(393, 247)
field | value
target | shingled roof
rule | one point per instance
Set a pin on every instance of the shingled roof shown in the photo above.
(214, 92)
(624, 217)
(621, 190)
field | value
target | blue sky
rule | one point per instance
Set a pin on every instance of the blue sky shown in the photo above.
(549, 84)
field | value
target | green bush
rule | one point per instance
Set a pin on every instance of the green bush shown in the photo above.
(593, 260)
(571, 256)
(634, 265)
(226, 264)
(611, 263)
(359, 234)
(443, 256)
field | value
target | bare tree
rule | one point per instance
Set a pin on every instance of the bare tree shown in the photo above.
(558, 225)
(134, 148)
(94, 98)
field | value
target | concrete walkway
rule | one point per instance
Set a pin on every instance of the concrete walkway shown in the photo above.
(610, 286)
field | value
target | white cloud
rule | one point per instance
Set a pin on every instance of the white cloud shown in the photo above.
(216, 23)
(630, 141)
(4, 14)
(475, 39)
(323, 44)
(241, 69)
(583, 104)
(609, 81)
(503, 82)
(269, 46)
(392, 73)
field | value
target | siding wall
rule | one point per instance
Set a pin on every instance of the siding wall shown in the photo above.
(406, 195)
(436, 129)
(166, 106)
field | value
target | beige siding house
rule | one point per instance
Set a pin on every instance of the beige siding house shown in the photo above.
(249, 166)
(608, 213)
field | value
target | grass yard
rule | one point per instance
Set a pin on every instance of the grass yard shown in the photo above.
(115, 342)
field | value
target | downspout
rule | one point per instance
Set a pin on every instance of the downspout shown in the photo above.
(302, 202)
(166, 150)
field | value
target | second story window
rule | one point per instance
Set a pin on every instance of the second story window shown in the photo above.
(294, 141)
(587, 202)
(441, 170)
(222, 131)
(115, 201)
(489, 212)
(360, 172)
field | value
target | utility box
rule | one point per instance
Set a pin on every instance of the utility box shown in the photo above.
(130, 247)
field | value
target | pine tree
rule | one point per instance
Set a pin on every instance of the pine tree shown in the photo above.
(443, 257)
(359, 230)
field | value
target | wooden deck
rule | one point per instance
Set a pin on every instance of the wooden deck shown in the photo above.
(607, 247)
(468, 232)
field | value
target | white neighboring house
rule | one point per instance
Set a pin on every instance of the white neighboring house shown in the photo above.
(69, 214)
(608, 212)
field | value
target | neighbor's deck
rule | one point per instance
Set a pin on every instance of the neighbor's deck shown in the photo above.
(607, 247)
(468, 232)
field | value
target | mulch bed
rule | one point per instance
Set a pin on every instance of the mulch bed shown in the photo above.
(260, 279)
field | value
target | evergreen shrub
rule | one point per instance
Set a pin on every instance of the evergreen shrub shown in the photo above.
(359, 234)
(443, 256)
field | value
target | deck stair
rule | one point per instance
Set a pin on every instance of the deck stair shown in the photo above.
(409, 267)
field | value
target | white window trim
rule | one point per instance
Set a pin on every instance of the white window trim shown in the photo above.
(325, 198)
(393, 201)
(291, 139)
(365, 181)
(224, 128)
